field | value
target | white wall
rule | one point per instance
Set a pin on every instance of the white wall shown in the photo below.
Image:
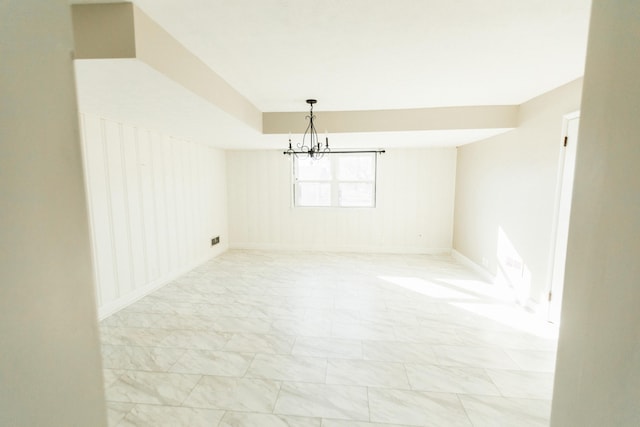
(598, 367)
(505, 195)
(50, 367)
(414, 212)
(155, 202)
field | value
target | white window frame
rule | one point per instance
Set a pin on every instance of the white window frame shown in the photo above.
(335, 182)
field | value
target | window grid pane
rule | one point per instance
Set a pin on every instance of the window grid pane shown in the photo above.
(336, 180)
(313, 194)
(356, 194)
(308, 169)
(355, 168)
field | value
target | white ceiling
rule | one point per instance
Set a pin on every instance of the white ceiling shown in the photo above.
(368, 54)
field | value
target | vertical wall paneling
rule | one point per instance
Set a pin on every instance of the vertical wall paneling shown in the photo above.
(183, 192)
(89, 188)
(198, 218)
(190, 222)
(154, 201)
(100, 209)
(178, 191)
(139, 167)
(203, 176)
(171, 164)
(161, 210)
(148, 196)
(413, 214)
(169, 228)
(133, 204)
(109, 199)
(119, 213)
(200, 196)
(128, 232)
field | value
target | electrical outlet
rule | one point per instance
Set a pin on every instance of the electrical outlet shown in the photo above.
(215, 240)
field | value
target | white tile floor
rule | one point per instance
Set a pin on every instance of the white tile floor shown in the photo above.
(327, 340)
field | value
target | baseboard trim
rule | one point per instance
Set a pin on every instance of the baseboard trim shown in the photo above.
(486, 275)
(114, 306)
(343, 249)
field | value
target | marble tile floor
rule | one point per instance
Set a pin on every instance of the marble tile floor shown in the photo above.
(327, 340)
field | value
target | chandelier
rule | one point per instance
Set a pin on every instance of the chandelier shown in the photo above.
(314, 148)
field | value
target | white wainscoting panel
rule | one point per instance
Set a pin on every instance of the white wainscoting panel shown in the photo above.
(414, 211)
(155, 202)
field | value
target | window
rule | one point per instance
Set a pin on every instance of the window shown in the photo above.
(338, 180)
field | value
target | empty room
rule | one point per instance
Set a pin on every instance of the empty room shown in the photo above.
(319, 214)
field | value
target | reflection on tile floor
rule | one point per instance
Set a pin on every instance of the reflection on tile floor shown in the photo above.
(327, 340)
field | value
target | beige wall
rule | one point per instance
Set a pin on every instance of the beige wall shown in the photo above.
(598, 367)
(50, 368)
(155, 202)
(414, 210)
(505, 195)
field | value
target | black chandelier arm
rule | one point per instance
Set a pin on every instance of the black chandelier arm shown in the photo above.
(310, 131)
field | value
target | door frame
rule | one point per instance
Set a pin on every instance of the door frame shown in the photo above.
(561, 219)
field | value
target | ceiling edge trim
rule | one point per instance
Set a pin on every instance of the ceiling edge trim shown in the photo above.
(417, 119)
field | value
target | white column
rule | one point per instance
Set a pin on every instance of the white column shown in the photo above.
(50, 368)
(598, 369)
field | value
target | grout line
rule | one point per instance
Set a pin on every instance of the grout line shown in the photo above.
(404, 351)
